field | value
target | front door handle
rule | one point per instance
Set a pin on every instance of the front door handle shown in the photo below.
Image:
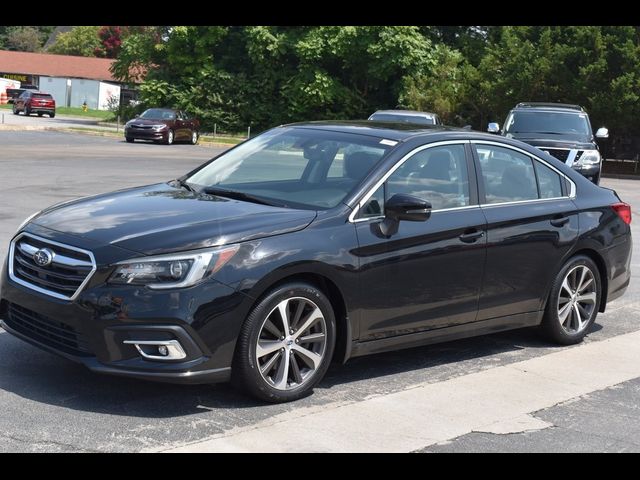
(560, 222)
(471, 237)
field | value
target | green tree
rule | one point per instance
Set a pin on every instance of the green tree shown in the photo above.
(80, 41)
(23, 39)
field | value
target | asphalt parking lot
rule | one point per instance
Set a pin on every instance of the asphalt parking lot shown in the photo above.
(51, 404)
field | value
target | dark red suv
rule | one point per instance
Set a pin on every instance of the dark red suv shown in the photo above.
(31, 101)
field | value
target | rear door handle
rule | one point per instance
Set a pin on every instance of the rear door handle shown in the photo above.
(471, 236)
(559, 222)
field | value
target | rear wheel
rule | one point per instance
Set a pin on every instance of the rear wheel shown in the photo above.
(15, 109)
(40, 114)
(27, 111)
(286, 344)
(129, 139)
(52, 115)
(573, 302)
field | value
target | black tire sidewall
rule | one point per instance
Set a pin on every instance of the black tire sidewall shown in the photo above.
(245, 369)
(551, 323)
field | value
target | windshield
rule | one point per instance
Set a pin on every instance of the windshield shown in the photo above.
(558, 123)
(159, 114)
(295, 167)
(394, 117)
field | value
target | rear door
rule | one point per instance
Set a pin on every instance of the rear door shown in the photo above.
(531, 225)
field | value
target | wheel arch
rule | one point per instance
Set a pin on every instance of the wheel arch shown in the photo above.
(329, 286)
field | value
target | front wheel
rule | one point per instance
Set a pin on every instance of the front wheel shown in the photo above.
(27, 111)
(40, 114)
(170, 137)
(573, 302)
(129, 139)
(15, 109)
(194, 137)
(286, 343)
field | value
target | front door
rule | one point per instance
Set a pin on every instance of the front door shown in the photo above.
(531, 226)
(427, 274)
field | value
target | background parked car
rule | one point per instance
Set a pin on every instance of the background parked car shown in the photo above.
(34, 101)
(561, 130)
(13, 93)
(406, 116)
(163, 125)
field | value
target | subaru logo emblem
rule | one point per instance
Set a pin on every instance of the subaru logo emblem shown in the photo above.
(43, 257)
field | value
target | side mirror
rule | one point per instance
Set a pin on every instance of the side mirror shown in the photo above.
(137, 115)
(407, 207)
(401, 207)
(602, 133)
(493, 128)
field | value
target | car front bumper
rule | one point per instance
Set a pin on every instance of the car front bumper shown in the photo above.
(95, 329)
(146, 134)
(591, 171)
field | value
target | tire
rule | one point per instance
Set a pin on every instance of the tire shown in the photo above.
(194, 137)
(571, 329)
(52, 115)
(305, 363)
(15, 110)
(170, 138)
(40, 114)
(27, 111)
(129, 139)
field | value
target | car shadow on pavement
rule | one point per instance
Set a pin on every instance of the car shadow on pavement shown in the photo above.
(45, 378)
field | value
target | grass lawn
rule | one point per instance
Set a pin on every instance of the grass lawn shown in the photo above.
(103, 115)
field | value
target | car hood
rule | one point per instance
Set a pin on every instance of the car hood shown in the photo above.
(161, 219)
(564, 142)
(148, 121)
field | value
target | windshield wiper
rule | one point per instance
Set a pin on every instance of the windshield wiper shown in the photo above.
(185, 185)
(223, 192)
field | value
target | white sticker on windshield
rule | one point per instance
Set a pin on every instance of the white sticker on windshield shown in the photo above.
(391, 143)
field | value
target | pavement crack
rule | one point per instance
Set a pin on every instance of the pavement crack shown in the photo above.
(46, 443)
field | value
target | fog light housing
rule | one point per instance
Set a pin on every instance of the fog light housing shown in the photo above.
(158, 349)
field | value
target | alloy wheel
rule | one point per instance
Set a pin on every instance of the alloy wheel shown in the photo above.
(291, 343)
(577, 299)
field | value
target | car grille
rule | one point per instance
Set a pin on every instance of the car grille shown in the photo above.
(560, 154)
(63, 278)
(141, 127)
(46, 330)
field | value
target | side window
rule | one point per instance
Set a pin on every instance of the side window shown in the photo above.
(508, 175)
(438, 175)
(549, 182)
(374, 206)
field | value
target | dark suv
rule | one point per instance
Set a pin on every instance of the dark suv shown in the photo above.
(562, 130)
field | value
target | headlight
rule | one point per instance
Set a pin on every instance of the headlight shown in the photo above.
(28, 219)
(589, 157)
(172, 271)
(158, 127)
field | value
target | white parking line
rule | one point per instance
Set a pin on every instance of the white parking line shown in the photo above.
(496, 400)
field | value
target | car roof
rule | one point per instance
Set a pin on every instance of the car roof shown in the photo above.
(415, 113)
(391, 130)
(549, 107)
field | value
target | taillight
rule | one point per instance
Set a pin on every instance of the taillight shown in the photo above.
(623, 210)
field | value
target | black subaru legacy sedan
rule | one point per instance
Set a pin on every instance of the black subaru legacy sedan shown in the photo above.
(317, 242)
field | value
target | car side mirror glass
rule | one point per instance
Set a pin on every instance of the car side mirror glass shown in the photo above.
(602, 133)
(493, 127)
